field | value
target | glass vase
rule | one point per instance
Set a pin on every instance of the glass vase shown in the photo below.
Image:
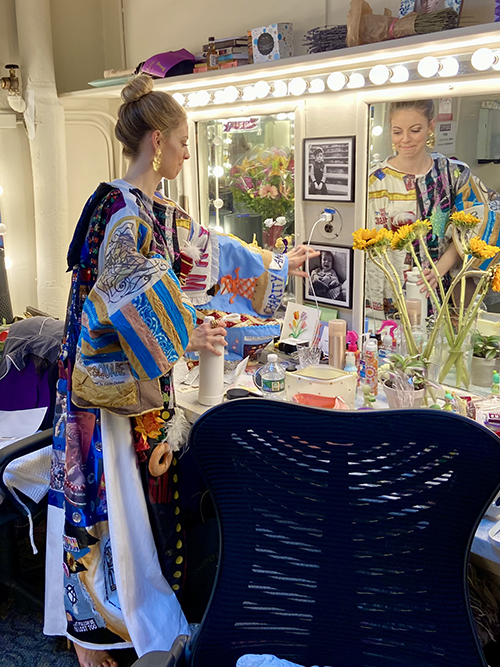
(453, 361)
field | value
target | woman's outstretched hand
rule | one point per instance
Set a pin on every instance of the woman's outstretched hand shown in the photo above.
(297, 256)
(206, 336)
(432, 279)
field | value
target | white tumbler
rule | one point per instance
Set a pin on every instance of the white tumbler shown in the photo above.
(211, 381)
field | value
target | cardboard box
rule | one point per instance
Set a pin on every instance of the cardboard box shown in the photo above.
(272, 42)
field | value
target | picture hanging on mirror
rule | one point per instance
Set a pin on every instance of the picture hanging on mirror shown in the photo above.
(428, 6)
(330, 276)
(329, 169)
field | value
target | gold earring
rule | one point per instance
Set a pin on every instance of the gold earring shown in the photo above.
(431, 140)
(394, 151)
(157, 159)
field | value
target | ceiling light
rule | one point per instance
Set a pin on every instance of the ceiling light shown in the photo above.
(449, 66)
(428, 66)
(336, 81)
(179, 97)
(218, 172)
(297, 86)
(377, 130)
(231, 94)
(316, 86)
(400, 74)
(280, 89)
(379, 74)
(483, 59)
(262, 89)
(356, 80)
(249, 93)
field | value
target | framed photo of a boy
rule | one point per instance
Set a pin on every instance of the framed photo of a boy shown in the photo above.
(330, 276)
(329, 169)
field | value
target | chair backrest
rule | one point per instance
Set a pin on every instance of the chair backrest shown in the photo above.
(344, 535)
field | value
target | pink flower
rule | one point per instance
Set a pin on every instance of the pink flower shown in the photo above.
(266, 190)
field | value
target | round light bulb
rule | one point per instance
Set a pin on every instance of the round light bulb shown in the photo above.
(179, 98)
(218, 228)
(8, 262)
(1, 191)
(218, 172)
(204, 98)
(356, 80)
(231, 94)
(219, 97)
(400, 74)
(280, 89)
(377, 130)
(316, 86)
(483, 59)
(428, 66)
(336, 81)
(217, 141)
(291, 115)
(496, 64)
(379, 74)
(449, 67)
(281, 116)
(3, 229)
(218, 203)
(249, 93)
(297, 86)
(262, 89)
(192, 100)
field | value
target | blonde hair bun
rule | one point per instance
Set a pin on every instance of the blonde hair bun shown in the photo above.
(136, 88)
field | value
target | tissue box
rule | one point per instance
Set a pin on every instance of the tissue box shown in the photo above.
(272, 42)
(322, 381)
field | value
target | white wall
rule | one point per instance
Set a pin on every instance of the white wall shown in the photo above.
(189, 24)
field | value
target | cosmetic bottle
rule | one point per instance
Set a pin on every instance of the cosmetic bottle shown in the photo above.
(337, 330)
(211, 382)
(352, 346)
(371, 365)
(212, 61)
(414, 309)
(413, 291)
(350, 364)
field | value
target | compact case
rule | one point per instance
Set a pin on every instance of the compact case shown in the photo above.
(322, 381)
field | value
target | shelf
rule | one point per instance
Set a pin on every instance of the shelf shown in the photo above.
(457, 41)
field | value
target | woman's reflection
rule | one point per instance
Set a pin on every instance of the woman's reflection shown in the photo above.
(414, 183)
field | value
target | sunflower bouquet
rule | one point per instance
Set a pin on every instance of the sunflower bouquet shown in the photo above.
(479, 261)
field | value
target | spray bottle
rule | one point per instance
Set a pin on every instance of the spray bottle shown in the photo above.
(371, 365)
(352, 346)
(387, 346)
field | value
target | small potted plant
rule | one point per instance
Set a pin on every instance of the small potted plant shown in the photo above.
(485, 350)
(404, 380)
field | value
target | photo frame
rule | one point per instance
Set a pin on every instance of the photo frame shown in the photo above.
(329, 169)
(428, 6)
(331, 276)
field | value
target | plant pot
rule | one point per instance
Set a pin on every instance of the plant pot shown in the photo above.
(396, 399)
(481, 371)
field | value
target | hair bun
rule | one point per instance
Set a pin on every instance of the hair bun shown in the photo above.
(137, 88)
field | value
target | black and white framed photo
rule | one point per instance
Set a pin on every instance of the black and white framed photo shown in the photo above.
(329, 169)
(427, 6)
(330, 276)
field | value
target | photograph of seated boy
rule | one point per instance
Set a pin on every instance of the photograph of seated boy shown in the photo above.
(324, 279)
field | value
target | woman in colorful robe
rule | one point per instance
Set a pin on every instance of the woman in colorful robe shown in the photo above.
(115, 538)
(414, 184)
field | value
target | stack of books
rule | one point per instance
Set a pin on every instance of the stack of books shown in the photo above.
(231, 52)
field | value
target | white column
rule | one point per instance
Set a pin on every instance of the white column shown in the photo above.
(48, 153)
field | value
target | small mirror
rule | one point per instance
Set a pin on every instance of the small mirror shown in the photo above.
(246, 176)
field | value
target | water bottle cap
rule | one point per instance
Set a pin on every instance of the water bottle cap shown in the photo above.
(272, 357)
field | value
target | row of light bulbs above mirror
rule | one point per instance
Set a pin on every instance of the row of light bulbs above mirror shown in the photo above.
(481, 60)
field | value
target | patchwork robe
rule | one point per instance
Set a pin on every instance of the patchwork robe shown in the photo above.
(115, 538)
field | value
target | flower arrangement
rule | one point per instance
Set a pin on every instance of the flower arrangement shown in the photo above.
(378, 244)
(265, 183)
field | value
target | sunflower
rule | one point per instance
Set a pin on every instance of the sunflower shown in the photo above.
(383, 239)
(363, 238)
(480, 249)
(421, 228)
(495, 285)
(149, 424)
(464, 220)
(403, 237)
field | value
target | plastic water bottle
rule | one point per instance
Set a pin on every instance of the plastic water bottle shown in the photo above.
(273, 379)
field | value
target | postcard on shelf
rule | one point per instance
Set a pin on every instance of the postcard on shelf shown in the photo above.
(300, 325)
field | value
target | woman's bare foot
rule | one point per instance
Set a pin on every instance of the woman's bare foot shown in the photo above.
(89, 658)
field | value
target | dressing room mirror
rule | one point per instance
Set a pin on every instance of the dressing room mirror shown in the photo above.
(246, 176)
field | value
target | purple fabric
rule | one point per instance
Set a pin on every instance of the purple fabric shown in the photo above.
(161, 63)
(24, 389)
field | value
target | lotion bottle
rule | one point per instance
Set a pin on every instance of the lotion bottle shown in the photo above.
(337, 330)
(371, 365)
(413, 291)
